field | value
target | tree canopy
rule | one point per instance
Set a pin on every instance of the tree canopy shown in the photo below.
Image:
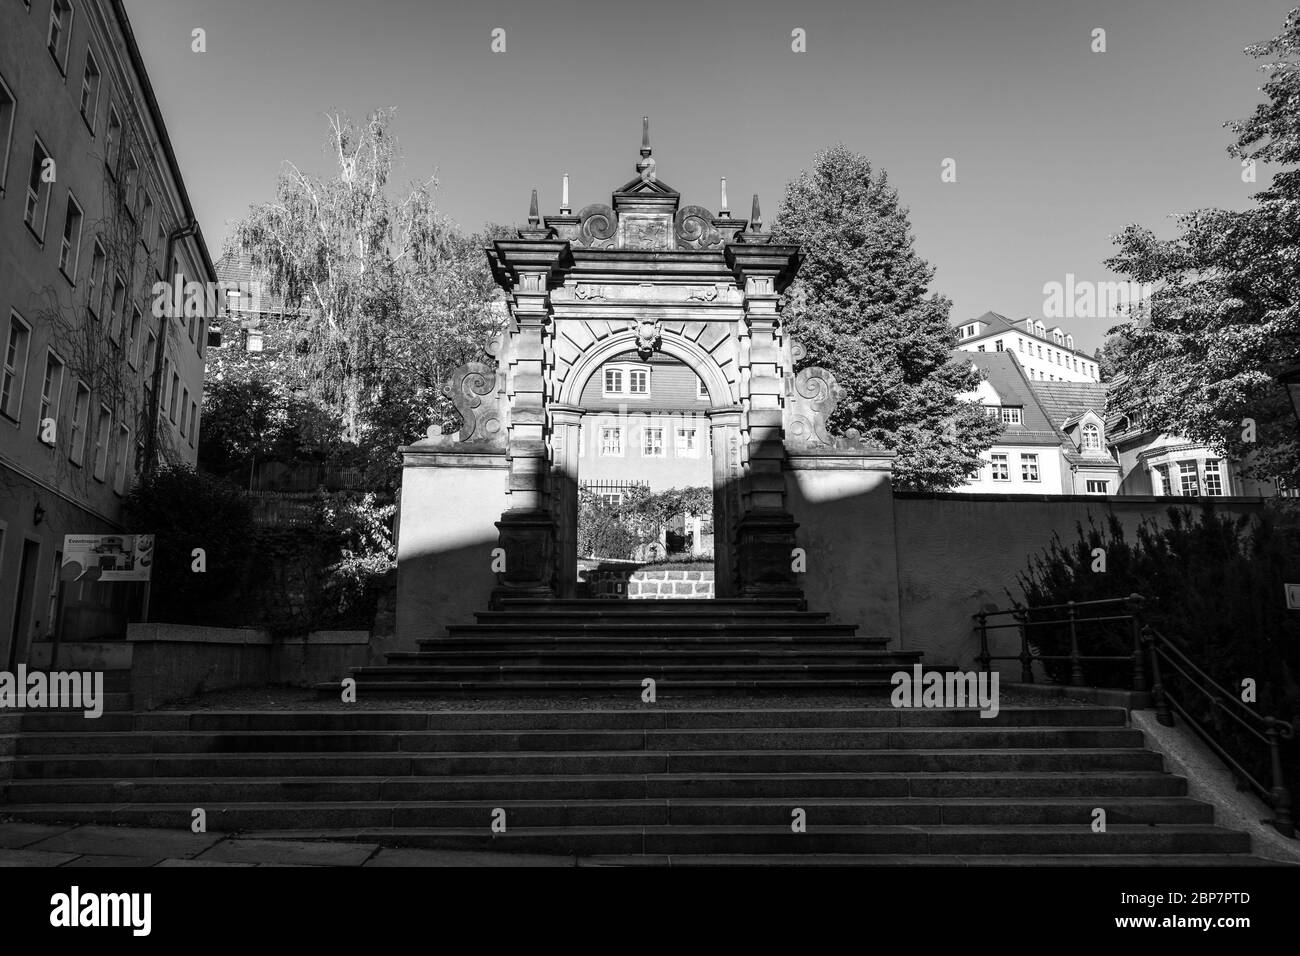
(1225, 314)
(861, 306)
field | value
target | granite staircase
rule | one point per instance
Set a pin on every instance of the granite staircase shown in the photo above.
(636, 783)
(583, 646)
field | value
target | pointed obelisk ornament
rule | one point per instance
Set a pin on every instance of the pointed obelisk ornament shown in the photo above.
(755, 217)
(646, 165)
(724, 212)
(565, 209)
(536, 220)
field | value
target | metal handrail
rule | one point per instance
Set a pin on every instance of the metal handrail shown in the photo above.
(1027, 655)
(1274, 730)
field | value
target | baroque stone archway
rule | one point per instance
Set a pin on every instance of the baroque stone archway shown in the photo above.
(644, 273)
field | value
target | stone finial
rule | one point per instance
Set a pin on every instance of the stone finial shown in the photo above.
(534, 219)
(645, 161)
(564, 197)
(724, 212)
(755, 217)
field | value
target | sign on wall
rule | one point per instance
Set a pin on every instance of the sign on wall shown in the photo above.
(107, 557)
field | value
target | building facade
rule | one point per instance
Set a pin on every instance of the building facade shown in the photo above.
(98, 383)
(1046, 353)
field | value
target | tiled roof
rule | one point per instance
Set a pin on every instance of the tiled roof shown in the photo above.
(1064, 401)
(236, 270)
(1000, 323)
(1004, 374)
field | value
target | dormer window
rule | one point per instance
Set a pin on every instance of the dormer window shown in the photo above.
(630, 381)
(1091, 438)
(1069, 341)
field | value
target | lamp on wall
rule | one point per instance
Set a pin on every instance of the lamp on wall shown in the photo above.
(1290, 380)
(38, 515)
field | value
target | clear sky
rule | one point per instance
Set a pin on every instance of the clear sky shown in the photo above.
(1056, 147)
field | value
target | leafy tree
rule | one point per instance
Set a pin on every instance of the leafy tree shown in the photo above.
(617, 529)
(1113, 354)
(1225, 314)
(861, 307)
(186, 509)
(394, 297)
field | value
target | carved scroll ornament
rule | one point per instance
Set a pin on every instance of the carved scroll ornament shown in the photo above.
(597, 226)
(473, 390)
(694, 228)
(812, 401)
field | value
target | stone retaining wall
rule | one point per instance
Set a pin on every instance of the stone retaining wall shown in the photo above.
(692, 581)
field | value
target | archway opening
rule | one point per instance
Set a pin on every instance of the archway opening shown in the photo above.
(645, 481)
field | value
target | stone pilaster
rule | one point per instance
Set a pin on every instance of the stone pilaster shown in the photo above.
(527, 526)
(765, 535)
(566, 424)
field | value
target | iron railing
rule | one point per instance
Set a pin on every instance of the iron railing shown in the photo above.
(1269, 730)
(1022, 620)
(1150, 648)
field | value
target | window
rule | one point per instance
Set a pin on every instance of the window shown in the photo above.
(60, 32)
(185, 408)
(38, 193)
(90, 91)
(194, 421)
(117, 311)
(80, 415)
(175, 395)
(51, 390)
(1011, 416)
(685, 445)
(630, 380)
(167, 370)
(254, 340)
(146, 219)
(1213, 478)
(150, 348)
(701, 392)
(1001, 468)
(119, 458)
(15, 367)
(112, 141)
(1187, 484)
(1091, 438)
(979, 348)
(96, 275)
(997, 345)
(130, 183)
(1028, 467)
(133, 339)
(1020, 344)
(1096, 487)
(652, 442)
(70, 247)
(100, 456)
(611, 442)
(6, 132)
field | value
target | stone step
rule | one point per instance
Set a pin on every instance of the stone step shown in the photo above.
(883, 665)
(646, 717)
(757, 813)
(1073, 759)
(631, 688)
(590, 741)
(681, 611)
(779, 839)
(210, 791)
(114, 702)
(560, 657)
(651, 605)
(652, 629)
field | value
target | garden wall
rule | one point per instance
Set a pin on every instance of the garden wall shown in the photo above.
(958, 554)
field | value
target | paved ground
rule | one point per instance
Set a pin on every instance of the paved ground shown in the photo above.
(40, 844)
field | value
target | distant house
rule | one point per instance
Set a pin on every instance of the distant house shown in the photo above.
(1066, 438)
(1158, 463)
(1046, 353)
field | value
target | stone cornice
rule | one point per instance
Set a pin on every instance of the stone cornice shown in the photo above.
(763, 259)
(511, 257)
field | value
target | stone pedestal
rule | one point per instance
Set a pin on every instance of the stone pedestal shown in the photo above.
(528, 540)
(765, 547)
